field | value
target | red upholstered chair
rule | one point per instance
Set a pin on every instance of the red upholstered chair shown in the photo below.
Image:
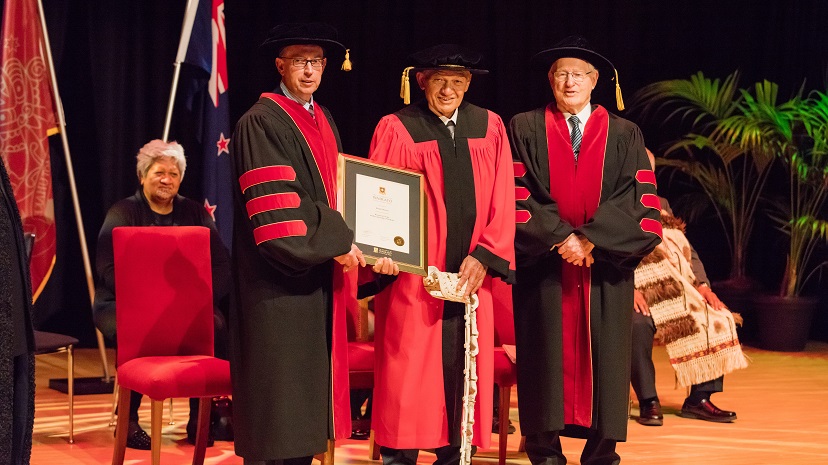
(361, 376)
(361, 357)
(505, 372)
(360, 367)
(361, 360)
(164, 320)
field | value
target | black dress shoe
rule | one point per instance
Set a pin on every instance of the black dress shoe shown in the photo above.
(650, 413)
(137, 438)
(496, 427)
(192, 427)
(221, 419)
(705, 410)
(360, 434)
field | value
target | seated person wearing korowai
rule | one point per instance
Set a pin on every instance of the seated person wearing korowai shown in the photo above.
(672, 295)
(160, 169)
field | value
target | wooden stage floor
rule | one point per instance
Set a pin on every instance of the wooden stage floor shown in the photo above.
(781, 400)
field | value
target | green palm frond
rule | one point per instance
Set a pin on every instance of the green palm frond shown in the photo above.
(811, 227)
(735, 136)
(698, 98)
(726, 153)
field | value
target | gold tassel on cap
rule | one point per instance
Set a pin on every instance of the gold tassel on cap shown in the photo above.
(346, 65)
(405, 87)
(619, 100)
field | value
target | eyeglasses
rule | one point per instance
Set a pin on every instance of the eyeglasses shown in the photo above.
(577, 76)
(316, 63)
(458, 82)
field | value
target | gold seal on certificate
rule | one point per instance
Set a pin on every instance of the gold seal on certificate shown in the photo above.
(386, 209)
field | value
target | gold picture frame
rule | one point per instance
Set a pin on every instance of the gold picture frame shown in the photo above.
(387, 210)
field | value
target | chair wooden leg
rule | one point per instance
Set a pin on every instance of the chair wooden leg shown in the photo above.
(172, 419)
(202, 430)
(503, 419)
(115, 394)
(373, 448)
(522, 446)
(122, 427)
(157, 413)
(326, 458)
(329, 454)
(70, 381)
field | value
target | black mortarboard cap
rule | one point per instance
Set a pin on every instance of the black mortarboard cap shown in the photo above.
(321, 34)
(577, 47)
(450, 57)
(447, 57)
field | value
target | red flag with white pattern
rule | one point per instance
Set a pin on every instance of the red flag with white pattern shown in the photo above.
(27, 119)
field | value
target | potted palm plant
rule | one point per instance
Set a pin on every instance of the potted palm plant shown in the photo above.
(796, 133)
(806, 158)
(731, 168)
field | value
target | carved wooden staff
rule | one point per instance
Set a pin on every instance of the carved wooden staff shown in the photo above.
(443, 285)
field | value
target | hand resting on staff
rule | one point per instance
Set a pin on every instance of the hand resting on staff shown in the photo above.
(472, 272)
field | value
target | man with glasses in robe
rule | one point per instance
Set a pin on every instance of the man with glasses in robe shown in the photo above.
(587, 213)
(463, 151)
(292, 252)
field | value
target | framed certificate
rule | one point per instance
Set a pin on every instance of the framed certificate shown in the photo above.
(386, 209)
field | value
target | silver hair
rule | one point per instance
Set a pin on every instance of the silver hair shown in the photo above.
(155, 149)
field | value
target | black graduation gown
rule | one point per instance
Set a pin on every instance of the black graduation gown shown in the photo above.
(620, 243)
(16, 337)
(280, 317)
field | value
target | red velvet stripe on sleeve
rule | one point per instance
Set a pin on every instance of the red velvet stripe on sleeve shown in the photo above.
(651, 226)
(651, 201)
(266, 174)
(522, 216)
(520, 169)
(645, 176)
(278, 230)
(272, 202)
(521, 193)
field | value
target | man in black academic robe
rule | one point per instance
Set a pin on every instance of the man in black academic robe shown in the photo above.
(290, 250)
(586, 215)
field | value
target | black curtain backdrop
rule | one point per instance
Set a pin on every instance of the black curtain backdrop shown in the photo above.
(114, 66)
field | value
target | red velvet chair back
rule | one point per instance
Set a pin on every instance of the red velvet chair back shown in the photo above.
(503, 313)
(164, 291)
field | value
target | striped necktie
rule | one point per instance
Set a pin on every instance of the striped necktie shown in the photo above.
(450, 125)
(576, 135)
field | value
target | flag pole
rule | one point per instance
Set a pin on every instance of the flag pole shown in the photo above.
(183, 43)
(70, 171)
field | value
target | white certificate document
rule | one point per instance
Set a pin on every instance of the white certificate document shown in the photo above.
(382, 214)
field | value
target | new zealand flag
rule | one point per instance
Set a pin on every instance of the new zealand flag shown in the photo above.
(208, 51)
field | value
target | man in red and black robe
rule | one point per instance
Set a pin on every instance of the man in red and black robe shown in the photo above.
(290, 248)
(463, 151)
(586, 214)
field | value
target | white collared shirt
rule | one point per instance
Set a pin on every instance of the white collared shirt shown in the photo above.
(582, 115)
(306, 105)
(453, 119)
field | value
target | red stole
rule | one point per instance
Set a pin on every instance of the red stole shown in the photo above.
(577, 191)
(321, 140)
